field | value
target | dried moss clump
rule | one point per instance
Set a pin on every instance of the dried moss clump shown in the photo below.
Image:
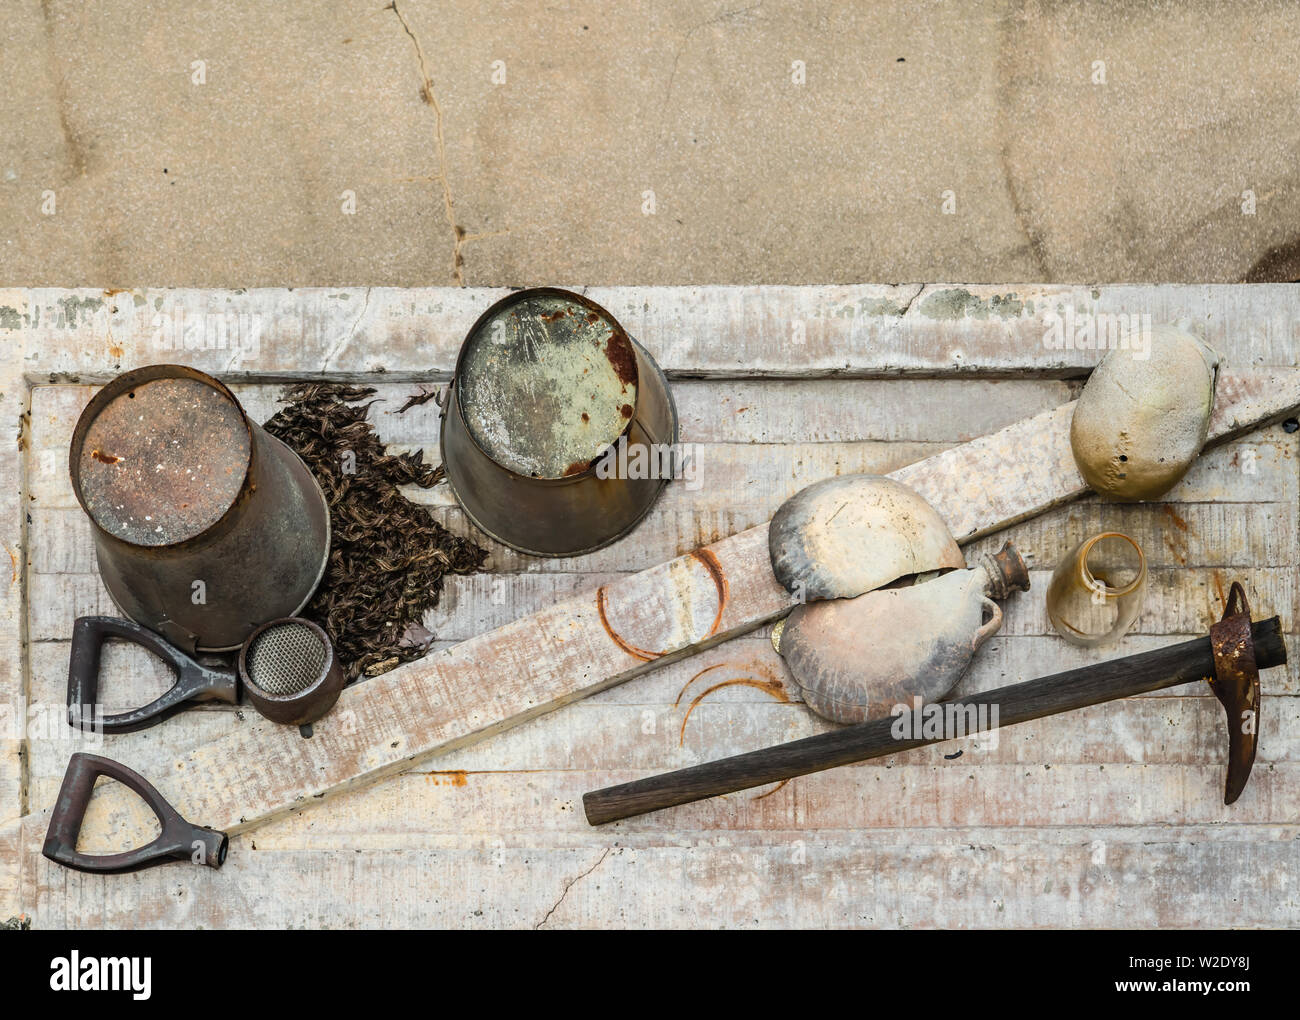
(388, 556)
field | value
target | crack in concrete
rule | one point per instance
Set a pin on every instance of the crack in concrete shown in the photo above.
(338, 348)
(1005, 71)
(915, 294)
(71, 142)
(716, 19)
(459, 237)
(570, 885)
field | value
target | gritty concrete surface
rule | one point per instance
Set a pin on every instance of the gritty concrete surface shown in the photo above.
(124, 163)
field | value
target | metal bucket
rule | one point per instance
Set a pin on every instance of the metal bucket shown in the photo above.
(550, 403)
(205, 527)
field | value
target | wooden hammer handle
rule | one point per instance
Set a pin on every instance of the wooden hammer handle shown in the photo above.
(1034, 699)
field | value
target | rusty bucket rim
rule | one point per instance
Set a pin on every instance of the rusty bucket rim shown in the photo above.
(132, 379)
(513, 298)
(569, 480)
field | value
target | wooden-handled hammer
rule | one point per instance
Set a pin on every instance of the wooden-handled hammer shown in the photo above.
(1229, 659)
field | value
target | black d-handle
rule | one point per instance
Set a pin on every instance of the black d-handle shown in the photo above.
(179, 840)
(194, 681)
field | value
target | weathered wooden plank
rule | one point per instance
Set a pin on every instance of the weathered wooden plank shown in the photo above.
(742, 670)
(865, 330)
(794, 410)
(1181, 600)
(1255, 464)
(930, 411)
(742, 485)
(729, 475)
(1165, 877)
(732, 698)
(1223, 534)
(14, 405)
(587, 738)
(471, 808)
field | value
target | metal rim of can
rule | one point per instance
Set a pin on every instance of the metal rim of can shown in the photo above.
(125, 383)
(450, 404)
(136, 377)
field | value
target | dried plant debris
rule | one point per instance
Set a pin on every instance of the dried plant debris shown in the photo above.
(388, 556)
(416, 399)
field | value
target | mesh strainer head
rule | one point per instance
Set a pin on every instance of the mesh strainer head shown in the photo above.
(285, 658)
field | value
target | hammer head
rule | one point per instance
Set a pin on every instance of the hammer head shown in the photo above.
(1236, 684)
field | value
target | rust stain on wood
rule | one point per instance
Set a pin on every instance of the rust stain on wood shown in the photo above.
(686, 686)
(632, 650)
(776, 789)
(706, 558)
(1176, 541)
(709, 559)
(772, 687)
(770, 684)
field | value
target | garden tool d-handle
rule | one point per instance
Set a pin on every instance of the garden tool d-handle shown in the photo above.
(179, 840)
(194, 681)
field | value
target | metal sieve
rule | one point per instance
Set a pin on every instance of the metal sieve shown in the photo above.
(286, 658)
(289, 671)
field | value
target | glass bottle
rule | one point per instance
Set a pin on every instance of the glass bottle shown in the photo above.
(1096, 592)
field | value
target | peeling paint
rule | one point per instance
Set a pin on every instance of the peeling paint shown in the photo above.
(959, 303)
(73, 305)
(879, 306)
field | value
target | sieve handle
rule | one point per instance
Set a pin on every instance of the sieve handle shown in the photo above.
(179, 840)
(194, 681)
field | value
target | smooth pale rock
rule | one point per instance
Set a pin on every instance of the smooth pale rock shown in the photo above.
(850, 534)
(1142, 417)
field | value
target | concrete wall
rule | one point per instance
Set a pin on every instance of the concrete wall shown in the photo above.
(235, 172)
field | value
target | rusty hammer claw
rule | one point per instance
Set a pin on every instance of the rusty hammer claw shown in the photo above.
(1236, 684)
